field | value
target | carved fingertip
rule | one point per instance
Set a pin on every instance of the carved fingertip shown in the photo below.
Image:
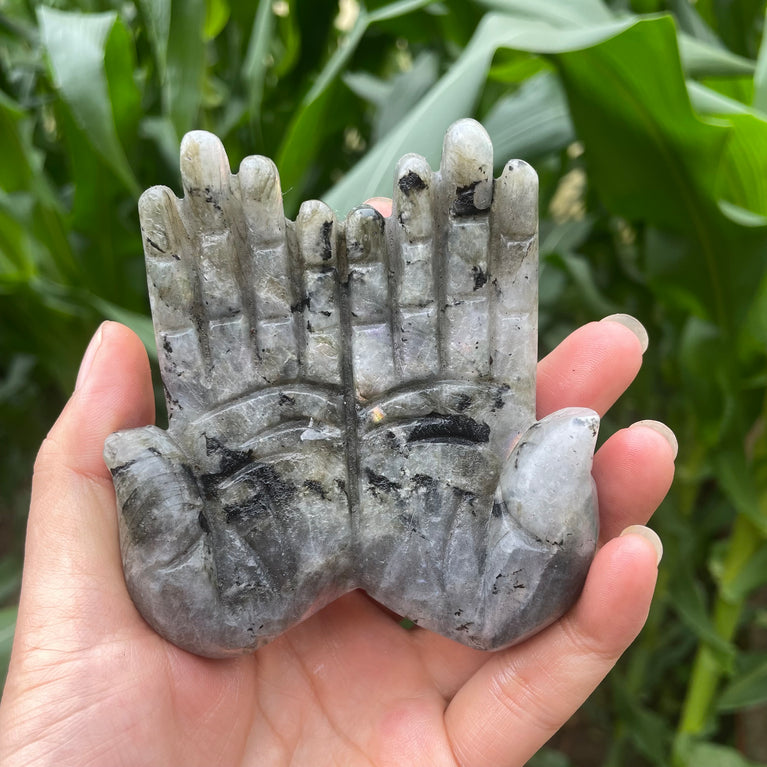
(160, 222)
(412, 199)
(204, 164)
(467, 167)
(260, 180)
(316, 232)
(365, 235)
(413, 176)
(516, 200)
(364, 220)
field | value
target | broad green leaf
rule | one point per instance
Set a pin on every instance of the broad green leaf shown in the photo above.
(394, 98)
(748, 689)
(628, 97)
(560, 13)
(581, 273)
(156, 14)
(255, 64)
(700, 59)
(76, 46)
(302, 139)
(455, 96)
(33, 230)
(216, 16)
(532, 121)
(693, 24)
(629, 104)
(182, 87)
(124, 95)
(393, 10)
(760, 75)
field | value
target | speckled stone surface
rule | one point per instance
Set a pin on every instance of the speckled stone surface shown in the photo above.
(352, 405)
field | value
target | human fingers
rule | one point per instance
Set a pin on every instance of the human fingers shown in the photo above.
(633, 472)
(520, 697)
(592, 367)
(382, 204)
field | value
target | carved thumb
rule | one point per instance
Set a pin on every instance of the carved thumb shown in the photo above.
(546, 483)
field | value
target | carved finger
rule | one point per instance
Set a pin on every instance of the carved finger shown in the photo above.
(171, 278)
(417, 348)
(271, 285)
(513, 291)
(227, 343)
(368, 294)
(466, 188)
(317, 244)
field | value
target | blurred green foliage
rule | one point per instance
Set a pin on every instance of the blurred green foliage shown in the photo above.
(647, 123)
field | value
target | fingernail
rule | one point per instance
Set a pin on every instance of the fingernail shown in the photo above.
(88, 357)
(634, 325)
(663, 430)
(649, 535)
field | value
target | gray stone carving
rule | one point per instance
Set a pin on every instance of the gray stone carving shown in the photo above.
(352, 405)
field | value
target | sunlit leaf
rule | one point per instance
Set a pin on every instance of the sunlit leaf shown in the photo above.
(76, 46)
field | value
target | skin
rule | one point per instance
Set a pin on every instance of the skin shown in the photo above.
(91, 684)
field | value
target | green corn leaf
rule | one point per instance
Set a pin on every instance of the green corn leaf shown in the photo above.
(455, 96)
(629, 103)
(533, 120)
(255, 64)
(76, 46)
(701, 59)
(183, 83)
(156, 15)
(746, 689)
(558, 13)
(302, 139)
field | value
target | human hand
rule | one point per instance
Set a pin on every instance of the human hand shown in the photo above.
(91, 682)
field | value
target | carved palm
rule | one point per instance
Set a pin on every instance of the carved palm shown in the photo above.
(351, 405)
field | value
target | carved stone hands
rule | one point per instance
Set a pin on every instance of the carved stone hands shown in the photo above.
(352, 405)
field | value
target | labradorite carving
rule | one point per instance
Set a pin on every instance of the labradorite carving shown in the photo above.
(352, 405)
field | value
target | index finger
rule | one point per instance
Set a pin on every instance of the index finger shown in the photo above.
(592, 367)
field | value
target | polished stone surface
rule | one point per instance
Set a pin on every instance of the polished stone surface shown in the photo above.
(352, 405)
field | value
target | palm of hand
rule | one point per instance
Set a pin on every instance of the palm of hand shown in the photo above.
(347, 686)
